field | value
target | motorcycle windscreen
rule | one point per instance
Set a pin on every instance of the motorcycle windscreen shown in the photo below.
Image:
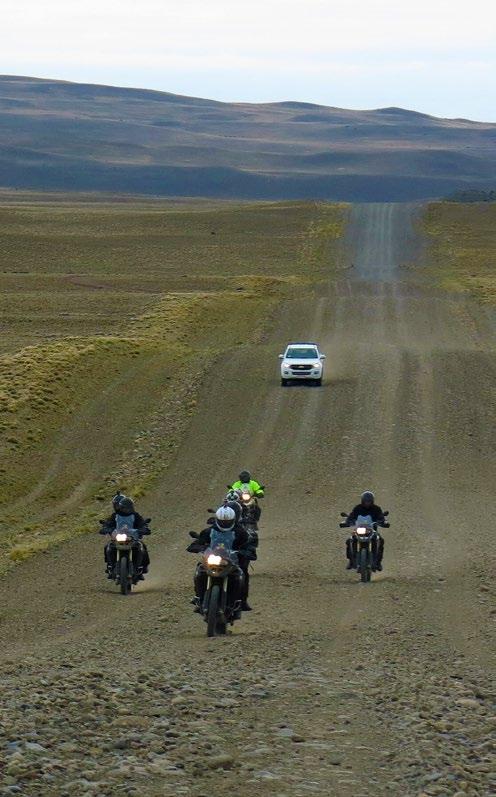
(364, 520)
(222, 552)
(126, 522)
(222, 539)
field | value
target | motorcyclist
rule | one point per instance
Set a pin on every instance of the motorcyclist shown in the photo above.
(124, 515)
(225, 523)
(233, 500)
(245, 481)
(366, 507)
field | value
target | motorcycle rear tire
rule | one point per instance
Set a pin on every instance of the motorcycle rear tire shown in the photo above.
(213, 611)
(363, 566)
(123, 576)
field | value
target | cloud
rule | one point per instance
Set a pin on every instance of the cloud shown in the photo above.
(304, 27)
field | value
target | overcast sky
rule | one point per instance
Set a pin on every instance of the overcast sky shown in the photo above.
(437, 56)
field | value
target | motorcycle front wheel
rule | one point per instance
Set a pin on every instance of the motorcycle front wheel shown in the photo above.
(363, 566)
(123, 576)
(213, 610)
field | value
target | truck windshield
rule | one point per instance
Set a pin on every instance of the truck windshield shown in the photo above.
(302, 353)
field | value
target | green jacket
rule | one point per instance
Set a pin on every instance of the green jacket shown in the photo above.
(254, 486)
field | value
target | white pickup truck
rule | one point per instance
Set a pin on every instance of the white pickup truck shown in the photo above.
(302, 361)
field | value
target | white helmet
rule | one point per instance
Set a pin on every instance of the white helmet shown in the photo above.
(225, 518)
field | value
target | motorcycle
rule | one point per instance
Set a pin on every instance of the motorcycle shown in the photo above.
(365, 541)
(129, 549)
(251, 512)
(219, 563)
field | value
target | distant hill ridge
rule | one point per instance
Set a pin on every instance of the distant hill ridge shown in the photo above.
(57, 135)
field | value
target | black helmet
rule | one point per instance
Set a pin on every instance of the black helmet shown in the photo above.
(115, 500)
(368, 497)
(125, 506)
(245, 476)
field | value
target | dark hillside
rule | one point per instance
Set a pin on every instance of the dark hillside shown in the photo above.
(72, 137)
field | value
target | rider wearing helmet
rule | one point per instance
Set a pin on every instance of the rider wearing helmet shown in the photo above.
(367, 506)
(225, 522)
(234, 502)
(124, 514)
(245, 482)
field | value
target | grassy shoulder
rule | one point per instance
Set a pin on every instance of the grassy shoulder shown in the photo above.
(111, 317)
(463, 246)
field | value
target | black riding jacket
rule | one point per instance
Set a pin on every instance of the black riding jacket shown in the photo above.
(374, 511)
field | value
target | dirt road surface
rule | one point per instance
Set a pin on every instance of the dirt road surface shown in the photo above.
(328, 687)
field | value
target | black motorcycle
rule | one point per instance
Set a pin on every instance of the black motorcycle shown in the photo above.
(365, 541)
(129, 550)
(251, 511)
(217, 607)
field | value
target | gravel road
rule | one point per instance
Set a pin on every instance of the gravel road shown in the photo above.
(328, 687)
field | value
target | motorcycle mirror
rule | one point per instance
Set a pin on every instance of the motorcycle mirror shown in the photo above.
(147, 520)
(211, 511)
(194, 534)
(102, 522)
(343, 514)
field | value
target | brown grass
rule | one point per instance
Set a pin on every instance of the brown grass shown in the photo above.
(463, 246)
(111, 316)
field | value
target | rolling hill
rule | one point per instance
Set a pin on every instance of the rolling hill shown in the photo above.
(62, 136)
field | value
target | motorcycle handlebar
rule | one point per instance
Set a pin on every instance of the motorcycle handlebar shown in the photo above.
(383, 525)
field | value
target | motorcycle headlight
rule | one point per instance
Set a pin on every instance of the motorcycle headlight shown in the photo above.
(361, 530)
(213, 559)
(121, 537)
(246, 497)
